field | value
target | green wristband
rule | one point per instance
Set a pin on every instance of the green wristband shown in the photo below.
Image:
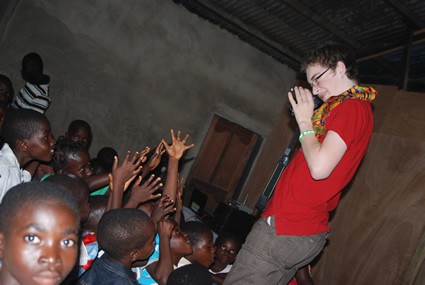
(303, 134)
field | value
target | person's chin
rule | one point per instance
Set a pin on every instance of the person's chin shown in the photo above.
(47, 278)
(48, 157)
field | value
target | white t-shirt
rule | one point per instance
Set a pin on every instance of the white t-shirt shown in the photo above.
(225, 269)
(11, 173)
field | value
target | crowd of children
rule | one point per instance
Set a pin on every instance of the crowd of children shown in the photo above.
(68, 219)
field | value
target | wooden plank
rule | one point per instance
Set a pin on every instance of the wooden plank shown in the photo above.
(406, 116)
(380, 220)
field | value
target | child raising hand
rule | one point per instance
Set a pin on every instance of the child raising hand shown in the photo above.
(175, 151)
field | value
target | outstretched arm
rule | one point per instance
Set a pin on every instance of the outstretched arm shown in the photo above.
(179, 202)
(161, 269)
(96, 182)
(141, 193)
(154, 160)
(162, 209)
(175, 152)
(122, 176)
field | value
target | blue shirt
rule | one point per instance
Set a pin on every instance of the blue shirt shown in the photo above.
(143, 276)
(106, 272)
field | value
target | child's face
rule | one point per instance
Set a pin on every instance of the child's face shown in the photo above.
(40, 146)
(146, 251)
(81, 137)
(179, 242)
(226, 252)
(203, 251)
(5, 96)
(79, 164)
(41, 245)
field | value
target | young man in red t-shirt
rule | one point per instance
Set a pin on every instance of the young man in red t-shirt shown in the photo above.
(294, 226)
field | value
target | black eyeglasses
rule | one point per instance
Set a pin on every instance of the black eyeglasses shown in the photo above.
(320, 75)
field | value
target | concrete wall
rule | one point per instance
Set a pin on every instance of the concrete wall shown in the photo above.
(136, 68)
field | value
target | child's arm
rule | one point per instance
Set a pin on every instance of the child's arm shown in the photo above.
(145, 192)
(154, 160)
(122, 176)
(179, 202)
(96, 182)
(99, 181)
(175, 152)
(162, 208)
(161, 269)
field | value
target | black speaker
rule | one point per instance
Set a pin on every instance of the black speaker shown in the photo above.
(197, 201)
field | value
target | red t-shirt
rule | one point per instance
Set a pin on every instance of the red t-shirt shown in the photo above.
(300, 204)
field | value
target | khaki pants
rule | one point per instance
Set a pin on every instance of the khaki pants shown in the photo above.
(267, 258)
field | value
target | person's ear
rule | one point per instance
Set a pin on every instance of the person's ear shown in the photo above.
(341, 69)
(22, 145)
(134, 254)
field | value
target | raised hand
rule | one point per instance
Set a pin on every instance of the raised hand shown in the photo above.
(302, 104)
(164, 207)
(165, 228)
(124, 174)
(143, 154)
(178, 147)
(141, 193)
(155, 159)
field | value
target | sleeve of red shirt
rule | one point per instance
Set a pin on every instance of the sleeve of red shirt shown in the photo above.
(350, 120)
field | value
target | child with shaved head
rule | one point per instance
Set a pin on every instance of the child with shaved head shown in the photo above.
(126, 236)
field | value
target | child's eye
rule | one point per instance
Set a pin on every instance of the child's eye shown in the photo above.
(32, 239)
(68, 242)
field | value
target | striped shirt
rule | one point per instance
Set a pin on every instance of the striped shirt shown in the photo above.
(33, 96)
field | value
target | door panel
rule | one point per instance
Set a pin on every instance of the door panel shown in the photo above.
(222, 160)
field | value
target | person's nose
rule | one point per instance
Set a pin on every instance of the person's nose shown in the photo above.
(50, 256)
(52, 141)
(89, 171)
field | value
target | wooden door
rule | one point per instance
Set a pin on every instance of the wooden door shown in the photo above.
(222, 162)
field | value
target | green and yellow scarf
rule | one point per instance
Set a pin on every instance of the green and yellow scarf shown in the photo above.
(320, 115)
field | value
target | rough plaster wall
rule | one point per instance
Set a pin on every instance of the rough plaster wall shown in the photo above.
(134, 69)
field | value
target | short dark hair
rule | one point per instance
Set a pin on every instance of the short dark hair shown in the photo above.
(105, 158)
(36, 193)
(80, 125)
(222, 238)
(195, 231)
(75, 185)
(32, 66)
(191, 274)
(21, 124)
(329, 54)
(122, 230)
(64, 148)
